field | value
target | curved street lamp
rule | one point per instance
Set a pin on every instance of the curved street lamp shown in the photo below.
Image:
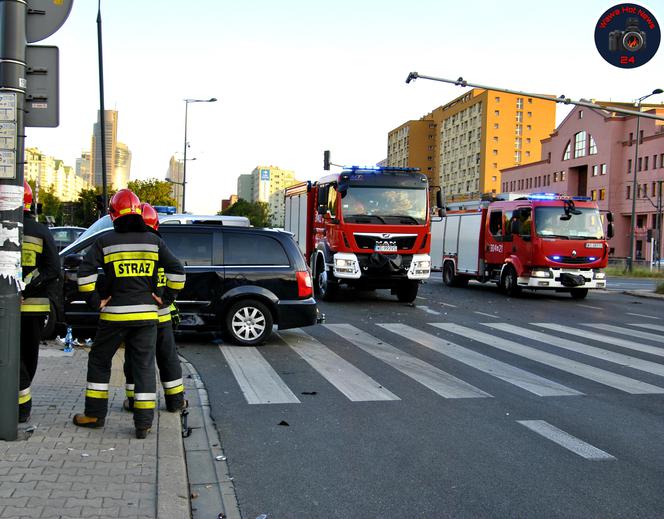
(184, 165)
(632, 230)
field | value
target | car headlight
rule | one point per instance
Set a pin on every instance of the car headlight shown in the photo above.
(541, 273)
(600, 275)
(344, 263)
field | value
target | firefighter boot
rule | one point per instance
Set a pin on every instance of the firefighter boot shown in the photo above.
(91, 422)
(24, 411)
(128, 405)
(175, 403)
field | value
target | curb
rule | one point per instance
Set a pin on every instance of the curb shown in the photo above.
(210, 484)
(172, 482)
(643, 293)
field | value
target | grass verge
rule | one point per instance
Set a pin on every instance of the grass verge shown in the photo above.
(637, 272)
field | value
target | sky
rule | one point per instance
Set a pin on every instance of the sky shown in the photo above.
(294, 78)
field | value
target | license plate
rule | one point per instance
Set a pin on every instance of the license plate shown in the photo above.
(385, 248)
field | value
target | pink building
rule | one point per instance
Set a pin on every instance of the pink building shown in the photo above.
(591, 154)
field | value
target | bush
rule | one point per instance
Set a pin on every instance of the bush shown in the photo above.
(660, 288)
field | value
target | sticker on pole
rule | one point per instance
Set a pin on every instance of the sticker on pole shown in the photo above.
(627, 35)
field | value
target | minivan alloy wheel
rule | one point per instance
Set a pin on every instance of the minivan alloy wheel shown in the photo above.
(249, 322)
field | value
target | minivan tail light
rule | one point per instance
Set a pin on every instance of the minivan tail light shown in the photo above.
(304, 284)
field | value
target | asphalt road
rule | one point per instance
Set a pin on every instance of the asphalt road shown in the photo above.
(466, 404)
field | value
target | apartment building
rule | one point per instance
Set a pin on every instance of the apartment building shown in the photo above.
(463, 145)
(49, 173)
(593, 153)
(267, 184)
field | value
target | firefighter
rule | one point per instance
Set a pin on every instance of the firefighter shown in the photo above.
(41, 275)
(170, 370)
(129, 256)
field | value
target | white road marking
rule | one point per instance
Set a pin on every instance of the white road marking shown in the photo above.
(607, 339)
(448, 304)
(566, 440)
(438, 381)
(356, 385)
(627, 331)
(420, 297)
(601, 376)
(510, 374)
(656, 327)
(591, 351)
(588, 306)
(427, 309)
(641, 315)
(488, 315)
(259, 383)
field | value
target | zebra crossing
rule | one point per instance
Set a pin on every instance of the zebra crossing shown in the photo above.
(594, 354)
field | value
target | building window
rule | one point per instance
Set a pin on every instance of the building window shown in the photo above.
(519, 103)
(518, 129)
(494, 178)
(629, 166)
(645, 163)
(631, 138)
(595, 169)
(517, 156)
(654, 188)
(495, 165)
(528, 127)
(639, 164)
(496, 126)
(496, 113)
(568, 151)
(580, 144)
(527, 140)
(527, 154)
(555, 176)
(593, 146)
(562, 175)
(580, 114)
(602, 169)
(529, 114)
(593, 194)
(517, 143)
(495, 139)
(654, 162)
(497, 99)
(661, 160)
(495, 152)
(519, 117)
(530, 100)
(629, 192)
(602, 194)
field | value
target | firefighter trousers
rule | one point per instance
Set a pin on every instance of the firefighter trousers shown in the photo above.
(170, 370)
(31, 327)
(140, 349)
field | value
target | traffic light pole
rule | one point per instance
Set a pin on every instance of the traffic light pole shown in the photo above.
(12, 97)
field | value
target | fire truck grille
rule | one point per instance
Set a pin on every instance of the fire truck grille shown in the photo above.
(369, 242)
(572, 260)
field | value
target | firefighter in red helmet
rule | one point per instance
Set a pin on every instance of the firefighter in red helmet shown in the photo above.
(41, 275)
(130, 256)
(170, 370)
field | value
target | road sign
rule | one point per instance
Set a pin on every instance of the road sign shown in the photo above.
(42, 96)
(45, 17)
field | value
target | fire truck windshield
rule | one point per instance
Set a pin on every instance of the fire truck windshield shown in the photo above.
(384, 205)
(587, 225)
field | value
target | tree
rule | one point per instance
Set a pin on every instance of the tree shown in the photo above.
(153, 191)
(51, 204)
(88, 207)
(257, 212)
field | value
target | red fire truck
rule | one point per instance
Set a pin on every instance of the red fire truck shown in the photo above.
(366, 228)
(537, 241)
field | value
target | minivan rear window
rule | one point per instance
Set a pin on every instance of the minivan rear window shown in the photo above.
(191, 248)
(245, 249)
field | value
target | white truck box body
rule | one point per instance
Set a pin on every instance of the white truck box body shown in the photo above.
(296, 219)
(437, 227)
(461, 235)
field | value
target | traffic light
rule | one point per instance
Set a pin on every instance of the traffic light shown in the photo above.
(326, 160)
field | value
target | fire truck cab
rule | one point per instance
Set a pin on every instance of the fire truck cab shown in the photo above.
(539, 241)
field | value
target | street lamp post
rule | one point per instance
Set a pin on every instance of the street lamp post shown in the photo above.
(184, 165)
(632, 231)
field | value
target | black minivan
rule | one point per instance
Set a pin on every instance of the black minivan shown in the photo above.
(240, 280)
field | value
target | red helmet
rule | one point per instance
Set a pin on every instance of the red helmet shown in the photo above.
(124, 202)
(150, 216)
(27, 196)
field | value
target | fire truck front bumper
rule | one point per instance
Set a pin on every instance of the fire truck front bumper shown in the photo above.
(560, 278)
(381, 266)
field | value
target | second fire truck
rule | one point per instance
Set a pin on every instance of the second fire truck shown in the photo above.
(364, 227)
(541, 241)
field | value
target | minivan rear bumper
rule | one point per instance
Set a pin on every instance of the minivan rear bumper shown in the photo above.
(294, 314)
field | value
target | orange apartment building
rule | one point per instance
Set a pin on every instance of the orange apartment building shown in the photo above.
(463, 145)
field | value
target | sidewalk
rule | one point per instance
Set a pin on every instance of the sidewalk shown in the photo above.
(58, 470)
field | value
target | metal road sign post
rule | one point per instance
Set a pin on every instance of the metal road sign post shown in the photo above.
(16, 29)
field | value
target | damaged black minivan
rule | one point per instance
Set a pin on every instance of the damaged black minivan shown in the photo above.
(240, 281)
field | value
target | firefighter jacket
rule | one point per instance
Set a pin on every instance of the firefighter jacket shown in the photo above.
(42, 274)
(130, 261)
(168, 314)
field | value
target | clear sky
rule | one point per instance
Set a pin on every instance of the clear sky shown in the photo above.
(294, 77)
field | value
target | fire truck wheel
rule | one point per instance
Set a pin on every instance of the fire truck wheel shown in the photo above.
(407, 291)
(327, 289)
(248, 322)
(508, 282)
(579, 293)
(450, 279)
